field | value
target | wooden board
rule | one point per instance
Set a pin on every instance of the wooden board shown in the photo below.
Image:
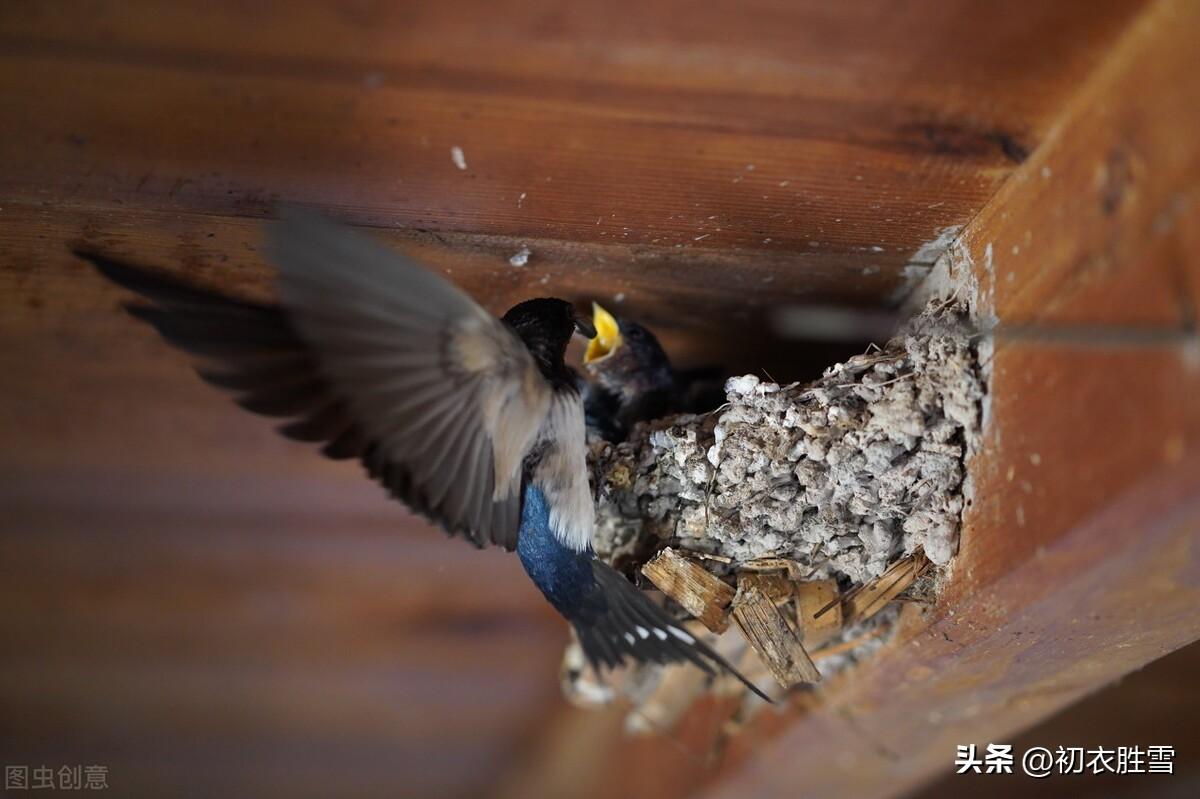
(772, 152)
(181, 581)
(1077, 564)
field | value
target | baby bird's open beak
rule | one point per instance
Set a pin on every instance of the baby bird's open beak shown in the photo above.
(608, 335)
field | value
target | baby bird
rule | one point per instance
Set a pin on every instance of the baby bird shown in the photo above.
(472, 421)
(633, 380)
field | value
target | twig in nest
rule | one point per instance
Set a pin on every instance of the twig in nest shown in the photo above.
(810, 595)
(884, 588)
(769, 564)
(718, 409)
(691, 553)
(708, 493)
(864, 601)
(701, 593)
(904, 376)
(766, 630)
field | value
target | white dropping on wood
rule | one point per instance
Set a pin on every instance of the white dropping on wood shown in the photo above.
(931, 250)
(521, 257)
(458, 157)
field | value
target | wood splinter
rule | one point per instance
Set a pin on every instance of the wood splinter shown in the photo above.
(771, 564)
(811, 597)
(777, 587)
(767, 631)
(871, 597)
(875, 595)
(700, 592)
(821, 612)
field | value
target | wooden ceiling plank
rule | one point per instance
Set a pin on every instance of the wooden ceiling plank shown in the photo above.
(1074, 562)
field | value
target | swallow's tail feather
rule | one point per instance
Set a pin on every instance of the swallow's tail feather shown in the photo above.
(618, 621)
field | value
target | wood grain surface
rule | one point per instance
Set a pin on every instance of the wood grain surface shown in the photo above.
(211, 610)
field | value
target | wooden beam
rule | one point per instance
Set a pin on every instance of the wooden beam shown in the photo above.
(1076, 564)
(789, 135)
(616, 143)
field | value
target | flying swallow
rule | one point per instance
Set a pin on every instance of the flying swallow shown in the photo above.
(474, 422)
(633, 379)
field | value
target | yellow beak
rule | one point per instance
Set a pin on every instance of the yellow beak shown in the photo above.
(608, 335)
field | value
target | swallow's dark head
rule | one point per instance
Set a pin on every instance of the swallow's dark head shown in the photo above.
(546, 326)
(626, 357)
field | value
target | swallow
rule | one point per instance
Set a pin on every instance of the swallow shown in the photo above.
(474, 422)
(633, 379)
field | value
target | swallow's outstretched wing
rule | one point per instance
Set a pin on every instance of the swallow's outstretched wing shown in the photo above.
(376, 358)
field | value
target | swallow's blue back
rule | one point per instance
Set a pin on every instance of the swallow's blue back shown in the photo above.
(563, 575)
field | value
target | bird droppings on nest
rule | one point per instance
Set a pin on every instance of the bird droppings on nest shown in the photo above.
(854, 481)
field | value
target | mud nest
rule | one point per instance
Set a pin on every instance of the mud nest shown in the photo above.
(843, 475)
